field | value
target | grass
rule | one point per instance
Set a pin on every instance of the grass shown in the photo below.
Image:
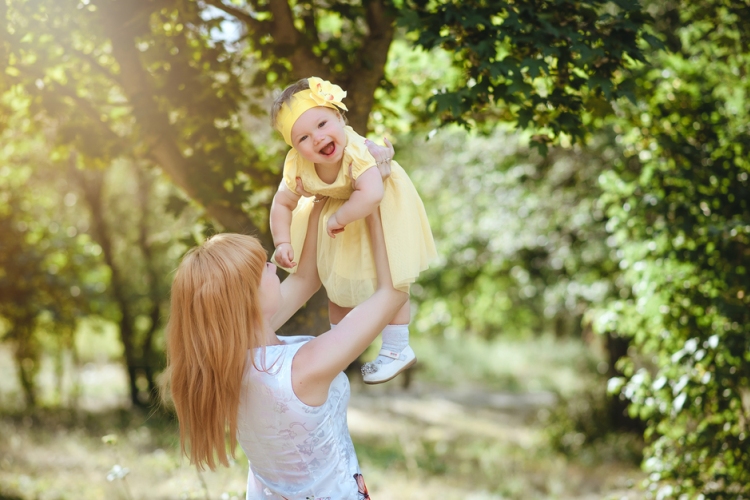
(471, 426)
(543, 363)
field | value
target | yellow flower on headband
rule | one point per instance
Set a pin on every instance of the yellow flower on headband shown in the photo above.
(325, 93)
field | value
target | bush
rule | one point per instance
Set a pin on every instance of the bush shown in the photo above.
(678, 204)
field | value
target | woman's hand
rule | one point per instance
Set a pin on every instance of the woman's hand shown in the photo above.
(383, 156)
(301, 189)
(303, 192)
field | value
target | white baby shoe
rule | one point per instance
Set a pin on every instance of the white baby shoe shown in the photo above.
(377, 373)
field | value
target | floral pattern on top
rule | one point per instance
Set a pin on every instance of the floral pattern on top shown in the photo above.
(295, 451)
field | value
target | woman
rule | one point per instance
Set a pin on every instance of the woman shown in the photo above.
(283, 398)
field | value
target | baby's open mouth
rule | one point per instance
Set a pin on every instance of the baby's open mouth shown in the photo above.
(328, 149)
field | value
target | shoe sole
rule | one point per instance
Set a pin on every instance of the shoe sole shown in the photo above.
(406, 367)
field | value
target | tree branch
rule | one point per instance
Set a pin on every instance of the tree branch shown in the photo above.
(365, 76)
(253, 24)
(283, 30)
(154, 123)
(152, 275)
(291, 44)
(311, 28)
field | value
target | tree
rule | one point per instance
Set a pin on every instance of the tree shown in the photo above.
(552, 66)
(141, 238)
(159, 86)
(679, 202)
(529, 253)
(153, 83)
(150, 81)
(48, 270)
(39, 289)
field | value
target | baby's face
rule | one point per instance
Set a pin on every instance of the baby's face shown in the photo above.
(319, 136)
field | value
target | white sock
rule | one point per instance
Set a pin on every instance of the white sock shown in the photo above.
(395, 338)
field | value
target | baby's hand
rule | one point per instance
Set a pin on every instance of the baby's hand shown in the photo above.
(285, 255)
(333, 227)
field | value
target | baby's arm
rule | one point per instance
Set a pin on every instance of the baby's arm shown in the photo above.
(284, 202)
(368, 192)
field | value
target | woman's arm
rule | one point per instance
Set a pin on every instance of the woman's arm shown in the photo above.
(319, 361)
(284, 202)
(297, 288)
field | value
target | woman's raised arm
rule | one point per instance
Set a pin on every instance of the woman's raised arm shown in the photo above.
(298, 287)
(319, 361)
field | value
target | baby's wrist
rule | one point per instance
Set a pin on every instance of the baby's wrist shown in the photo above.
(277, 245)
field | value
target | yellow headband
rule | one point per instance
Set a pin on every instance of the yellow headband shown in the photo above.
(320, 93)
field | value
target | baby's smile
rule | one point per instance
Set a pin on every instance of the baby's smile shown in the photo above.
(328, 149)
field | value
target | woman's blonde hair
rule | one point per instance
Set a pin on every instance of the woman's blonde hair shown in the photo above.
(215, 317)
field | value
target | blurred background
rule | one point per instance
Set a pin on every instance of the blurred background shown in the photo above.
(584, 165)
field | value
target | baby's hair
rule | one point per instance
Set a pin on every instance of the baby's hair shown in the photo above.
(286, 97)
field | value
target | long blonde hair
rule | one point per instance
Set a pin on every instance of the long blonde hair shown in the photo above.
(215, 317)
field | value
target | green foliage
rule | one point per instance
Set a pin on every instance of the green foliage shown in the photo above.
(528, 253)
(585, 427)
(128, 211)
(48, 269)
(410, 76)
(146, 82)
(543, 64)
(80, 242)
(544, 366)
(679, 203)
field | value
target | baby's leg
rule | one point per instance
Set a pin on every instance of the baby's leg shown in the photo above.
(336, 313)
(395, 355)
(395, 336)
(403, 316)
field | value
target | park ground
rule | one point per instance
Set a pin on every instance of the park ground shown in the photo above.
(477, 422)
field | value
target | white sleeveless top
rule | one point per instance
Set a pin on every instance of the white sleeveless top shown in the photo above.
(296, 451)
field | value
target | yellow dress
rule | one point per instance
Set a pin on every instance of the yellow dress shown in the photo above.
(345, 263)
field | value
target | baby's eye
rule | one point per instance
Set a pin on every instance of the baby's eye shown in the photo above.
(302, 138)
(322, 124)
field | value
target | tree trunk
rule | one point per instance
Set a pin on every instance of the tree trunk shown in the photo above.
(122, 21)
(145, 191)
(91, 182)
(617, 348)
(27, 359)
